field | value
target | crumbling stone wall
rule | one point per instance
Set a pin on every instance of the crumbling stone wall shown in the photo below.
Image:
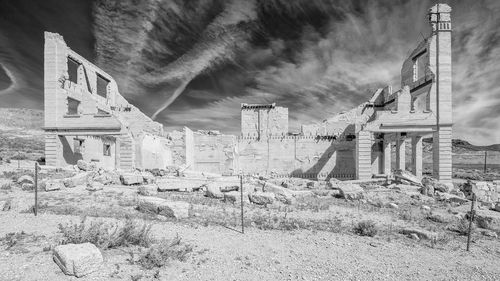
(82, 103)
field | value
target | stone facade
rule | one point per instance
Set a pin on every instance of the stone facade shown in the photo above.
(86, 118)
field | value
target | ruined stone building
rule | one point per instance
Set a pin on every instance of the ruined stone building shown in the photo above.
(86, 118)
(357, 143)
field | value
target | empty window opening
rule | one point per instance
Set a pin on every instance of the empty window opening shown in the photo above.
(78, 146)
(106, 149)
(73, 106)
(102, 86)
(73, 70)
(419, 66)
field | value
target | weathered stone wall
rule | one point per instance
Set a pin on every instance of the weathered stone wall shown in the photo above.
(264, 121)
(76, 107)
(214, 153)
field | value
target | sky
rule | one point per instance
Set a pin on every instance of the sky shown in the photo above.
(193, 62)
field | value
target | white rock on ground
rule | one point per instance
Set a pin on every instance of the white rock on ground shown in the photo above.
(78, 259)
(94, 186)
(51, 185)
(76, 180)
(131, 178)
(85, 166)
(213, 191)
(351, 191)
(261, 198)
(25, 179)
(164, 207)
(422, 234)
(148, 190)
(281, 193)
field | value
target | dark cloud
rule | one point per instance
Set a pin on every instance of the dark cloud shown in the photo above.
(193, 62)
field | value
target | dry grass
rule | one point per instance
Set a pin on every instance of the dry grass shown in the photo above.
(107, 235)
(161, 253)
(366, 228)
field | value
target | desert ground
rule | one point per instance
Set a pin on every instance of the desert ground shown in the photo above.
(387, 231)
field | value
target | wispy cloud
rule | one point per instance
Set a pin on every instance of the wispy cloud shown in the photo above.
(316, 57)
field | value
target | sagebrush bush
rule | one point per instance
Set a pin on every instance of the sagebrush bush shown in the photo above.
(366, 228)
(107, 235)
(462, 227)
(161, 253)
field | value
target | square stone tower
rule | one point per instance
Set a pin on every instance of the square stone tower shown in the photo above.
(441, 95)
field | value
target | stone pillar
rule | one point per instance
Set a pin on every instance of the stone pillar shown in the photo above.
(441, 155)
(416, 155)
(400, 152)
(363, 155)
(387, 155)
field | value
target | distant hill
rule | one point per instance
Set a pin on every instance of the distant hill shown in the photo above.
(21, 118)
(460, 145)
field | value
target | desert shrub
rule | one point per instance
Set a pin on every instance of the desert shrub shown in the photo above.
(365, 228)
(161, 253)
(462, 227)
(6, 185)
(483, 222)
(107, 235)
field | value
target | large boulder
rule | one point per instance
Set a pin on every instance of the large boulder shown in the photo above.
(281, 193)
(85, 166)
(213, 191)
(51, 185)
(407, 176)
(422, 234)
(25, 179)
(261, 198)
(76, 180)
(107, 177)
(450, 198)
(164, 207)
(78, 259)
(435, 185)
(351, 191)
(131, 178)
(148, 190)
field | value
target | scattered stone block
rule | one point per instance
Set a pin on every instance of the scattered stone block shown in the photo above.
(27, 186)
(422, 234)
(51, 185)
(229, 188)
(94, 186)
(435, 185)
(85, 166)
(261, 198)
(425, 208)
(164, 207)
(392, 205)
(407, 176)
(131, 178)
(213, 191)
(107, 177)
(25, 179)
(76, 180)
(489, 233)
(441, 196)
(78, 259)
(351, 191)
(148, 190)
